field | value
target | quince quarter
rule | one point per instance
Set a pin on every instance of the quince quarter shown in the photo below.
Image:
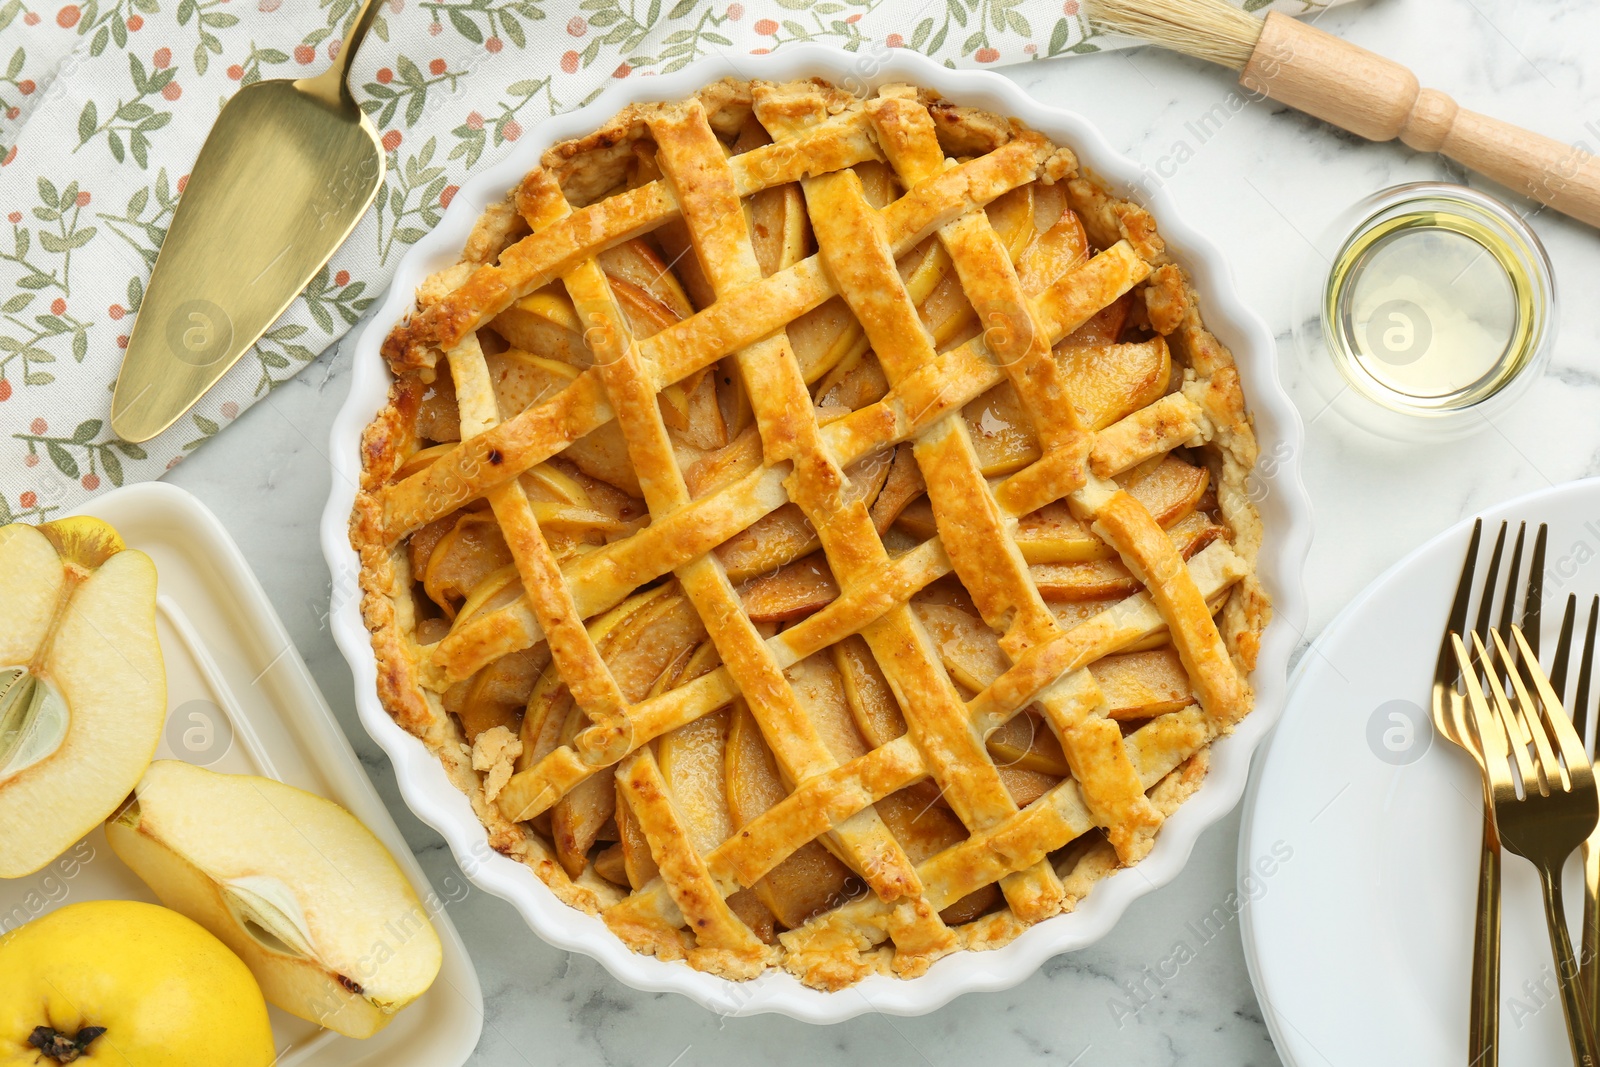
(295, 885)
(83, 690)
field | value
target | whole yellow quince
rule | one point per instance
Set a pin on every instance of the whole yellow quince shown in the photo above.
(123, 983)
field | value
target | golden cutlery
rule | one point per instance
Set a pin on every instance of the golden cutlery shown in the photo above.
(1557, 808)
(284, 176)
(1449, 719)
(1589, 944)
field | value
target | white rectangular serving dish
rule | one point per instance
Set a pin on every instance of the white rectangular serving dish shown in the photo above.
(1275, 485)
(240, 700)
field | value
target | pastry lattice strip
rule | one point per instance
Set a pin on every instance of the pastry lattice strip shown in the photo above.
(856, 253)
(719, 515)
(532, 436)
(975, 531)
(603, 578)
(688, 150)
(764, 392)
(793, 738)
(776, 834)
(907, 412)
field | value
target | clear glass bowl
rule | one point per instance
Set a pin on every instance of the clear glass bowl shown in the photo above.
(1431, 308)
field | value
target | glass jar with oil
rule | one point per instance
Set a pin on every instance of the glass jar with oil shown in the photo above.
(1435, 312)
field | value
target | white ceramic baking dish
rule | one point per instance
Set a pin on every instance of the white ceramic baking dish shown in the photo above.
(1276, 485)
(241, 701)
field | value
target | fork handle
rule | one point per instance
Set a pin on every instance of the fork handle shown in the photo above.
(1483, 1034)
(1580, 1026)
(1589, 959)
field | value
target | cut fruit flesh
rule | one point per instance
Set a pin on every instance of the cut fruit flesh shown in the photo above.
(795, 590)
(692, 760)
(877, 715)
(33, 720)
(1057, 250)
(901, 486)
(522, 374)
(1170, 489)
(657, 635)
(545, 715)
(810, 879)
(1054, 535)
(1100, 579)
(786, 534)
(1025, 785)
(779, 228)
(969, 649)
(637, 862)
(84, 686)
(1026, 743)
(421, 460)
(820, 689)
(1111, 381)
(1002, 433)
(499, 692)
(724, 466)
(612, 862)
(472, 550)
(1138, 685)
(925, 826)
(1104, 327)
(1106, 382)
(293, 883)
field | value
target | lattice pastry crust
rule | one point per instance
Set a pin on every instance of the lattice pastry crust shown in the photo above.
(812, 530)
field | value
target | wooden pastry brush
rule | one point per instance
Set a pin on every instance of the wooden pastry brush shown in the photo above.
(1338, 82)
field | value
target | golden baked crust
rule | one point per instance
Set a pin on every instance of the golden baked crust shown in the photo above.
(813, 530)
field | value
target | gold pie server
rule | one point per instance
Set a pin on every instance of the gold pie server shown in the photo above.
(284, 176)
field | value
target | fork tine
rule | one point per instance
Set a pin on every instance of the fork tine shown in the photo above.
(1580, 699)
(1445, 672)
(1508, 606)
(1554, 717)
(1533, 600)
(1558, 666)
(1486, 605)
(1486, 726)
(1532, 780)
(1491, 580)
(1525, 712)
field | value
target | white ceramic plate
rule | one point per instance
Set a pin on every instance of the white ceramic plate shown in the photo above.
(1361, 832)
(1278, 487)
(241, 701)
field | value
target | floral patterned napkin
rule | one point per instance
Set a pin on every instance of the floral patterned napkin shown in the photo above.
(104, 105)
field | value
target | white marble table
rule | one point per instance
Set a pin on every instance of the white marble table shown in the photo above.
(1259, 185)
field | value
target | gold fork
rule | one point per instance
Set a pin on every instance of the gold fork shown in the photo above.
(1558, 806)
(1449, 720)
(1589, 946)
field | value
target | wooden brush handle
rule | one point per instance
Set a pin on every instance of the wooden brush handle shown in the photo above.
(1344, 84)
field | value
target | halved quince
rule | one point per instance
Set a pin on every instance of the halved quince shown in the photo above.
(83, 690)
(294, 884)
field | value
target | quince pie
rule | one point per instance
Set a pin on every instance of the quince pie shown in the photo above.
(812, 530)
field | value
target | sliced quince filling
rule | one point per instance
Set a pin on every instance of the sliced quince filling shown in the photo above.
(895, 563)
(720, 772)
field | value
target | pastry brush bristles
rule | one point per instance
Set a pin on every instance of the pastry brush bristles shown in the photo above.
(1212, 30)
